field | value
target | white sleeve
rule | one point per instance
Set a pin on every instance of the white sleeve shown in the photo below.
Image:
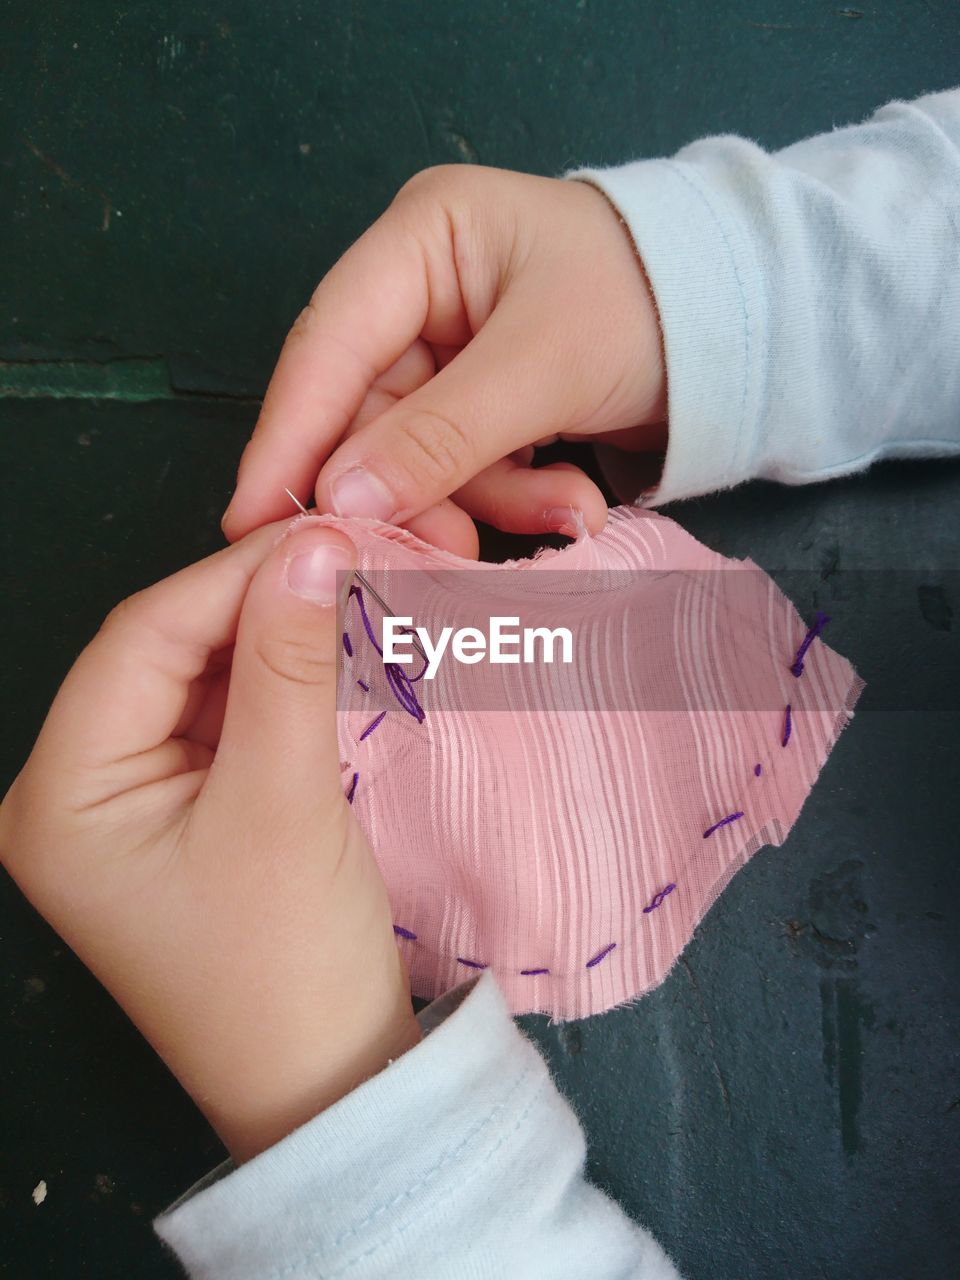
(460, 1160)
(809, 299)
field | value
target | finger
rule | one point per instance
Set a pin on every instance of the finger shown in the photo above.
(415, 367)
(202, 719)
(442, 355)
(129, 688)
(445, 525)
(364, 314)
(489, 401)
(278, 747)
(522, 499)
(448, 527)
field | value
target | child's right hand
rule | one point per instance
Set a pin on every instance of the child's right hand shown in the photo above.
(484, 312)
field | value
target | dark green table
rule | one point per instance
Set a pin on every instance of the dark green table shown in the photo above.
(176, 178)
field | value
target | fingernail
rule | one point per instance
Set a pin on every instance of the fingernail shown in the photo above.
(312, 574)
(226, 515)
(358, 492)
(561, 520)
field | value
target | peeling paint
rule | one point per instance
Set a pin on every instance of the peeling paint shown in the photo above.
(134, 379)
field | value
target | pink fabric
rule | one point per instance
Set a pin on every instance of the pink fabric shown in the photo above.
(533, 837)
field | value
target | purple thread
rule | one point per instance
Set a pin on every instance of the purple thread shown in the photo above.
(423, 669)
(404, 933)
(529, 973)
(364, 686)
(398, 680)
(471, 964)
(372, 725)
(819, 622)
(757, 770)
(365, 619)
(347, 645)
(787, 726)
(403, 691)
(731, 817)
(353, 787)
(600, 955)
(657, 899)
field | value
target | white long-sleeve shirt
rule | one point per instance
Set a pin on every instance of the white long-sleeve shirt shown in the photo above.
(810, 308)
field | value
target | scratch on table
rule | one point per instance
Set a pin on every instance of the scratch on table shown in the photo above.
(61, 173)
(705, 1019)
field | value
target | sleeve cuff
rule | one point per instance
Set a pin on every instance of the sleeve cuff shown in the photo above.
(429, 1019)
(709, 294)
(421, 1167)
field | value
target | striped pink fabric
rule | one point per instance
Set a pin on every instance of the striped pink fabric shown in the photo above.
(533, 838)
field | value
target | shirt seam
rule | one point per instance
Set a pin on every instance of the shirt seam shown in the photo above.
(292, 1267)
(379, 1244)
(835, 470)
(681, 172)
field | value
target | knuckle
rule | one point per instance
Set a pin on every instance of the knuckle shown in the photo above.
(430, 182)
(304, 322)
(121, 613)
(295, 661)
(9, 826)
(311, 326)
(439, 448)
(26, 830)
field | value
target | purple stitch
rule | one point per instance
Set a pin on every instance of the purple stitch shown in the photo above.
(364, 686)
(353, 787)
(365, 618)
(404, 933)
(347, 645)
(819, 622)
(426, 661)
(396, 682)
(372, 725)
(471, 964)
(731, 817)
(423, 670)
(657, 899)
(403, 691)
(757, 770)
(600, 955)
(787, 726)
(400, 684)
(529, 973)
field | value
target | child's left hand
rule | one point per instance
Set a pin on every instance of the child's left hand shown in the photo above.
(182, 823)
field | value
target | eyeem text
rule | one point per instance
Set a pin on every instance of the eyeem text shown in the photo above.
(506, 643)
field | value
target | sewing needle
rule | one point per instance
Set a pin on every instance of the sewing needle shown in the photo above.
(365, 583)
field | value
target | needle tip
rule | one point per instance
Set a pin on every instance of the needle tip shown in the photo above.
(296, 501)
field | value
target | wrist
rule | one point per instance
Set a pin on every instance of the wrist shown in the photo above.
(262, 1111)
(633, 311)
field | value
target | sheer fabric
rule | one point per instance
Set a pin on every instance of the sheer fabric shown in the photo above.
(569, 827)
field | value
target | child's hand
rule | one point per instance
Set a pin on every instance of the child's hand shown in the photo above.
(485, 311)
(181, 821)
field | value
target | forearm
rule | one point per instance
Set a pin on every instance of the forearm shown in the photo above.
(809, 299)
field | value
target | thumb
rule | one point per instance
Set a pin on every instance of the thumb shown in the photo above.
(500, 393)
(278, 747)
